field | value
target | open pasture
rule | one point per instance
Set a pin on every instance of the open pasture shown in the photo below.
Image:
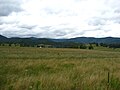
(26, 68)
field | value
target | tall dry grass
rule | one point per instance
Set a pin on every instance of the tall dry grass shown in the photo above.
(58, 69)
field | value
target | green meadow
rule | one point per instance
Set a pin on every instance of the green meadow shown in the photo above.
(28, 68)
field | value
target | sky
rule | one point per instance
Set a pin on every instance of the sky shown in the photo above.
(60, 18)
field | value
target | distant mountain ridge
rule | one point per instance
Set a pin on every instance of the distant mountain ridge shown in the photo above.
(85, 40)
(2, 37)
(106, 40)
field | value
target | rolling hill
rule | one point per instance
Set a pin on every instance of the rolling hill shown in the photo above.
(58, 42)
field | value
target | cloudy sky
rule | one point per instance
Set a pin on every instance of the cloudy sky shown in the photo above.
(60, 18)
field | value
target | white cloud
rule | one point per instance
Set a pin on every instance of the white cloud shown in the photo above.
(61, 18)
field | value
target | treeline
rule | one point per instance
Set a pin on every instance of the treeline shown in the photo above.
(80, 42)
(47, 43)
(114, 45)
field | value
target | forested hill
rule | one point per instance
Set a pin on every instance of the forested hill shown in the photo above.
(106, 40)
(58, 42)
(85, 40)
(25, 41)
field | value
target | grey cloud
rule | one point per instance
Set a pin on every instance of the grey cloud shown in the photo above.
(51, 11)
(59, 30)
(10, 34)
(62, 11)
(79, 33)
(116, 19)
(1, 22)
(29, 35)
(53, 31)
(96, 21)
(117, 10)
(100, 28)
(63, 32)
(29, 27)
(5, 20)
(59, 33)
(54, 34)
(17, 32)
(101, 21)
(113, 3)
(9, 6)
(46, 28)
(83, 32)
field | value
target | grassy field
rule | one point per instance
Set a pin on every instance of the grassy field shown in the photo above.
(59, 69)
